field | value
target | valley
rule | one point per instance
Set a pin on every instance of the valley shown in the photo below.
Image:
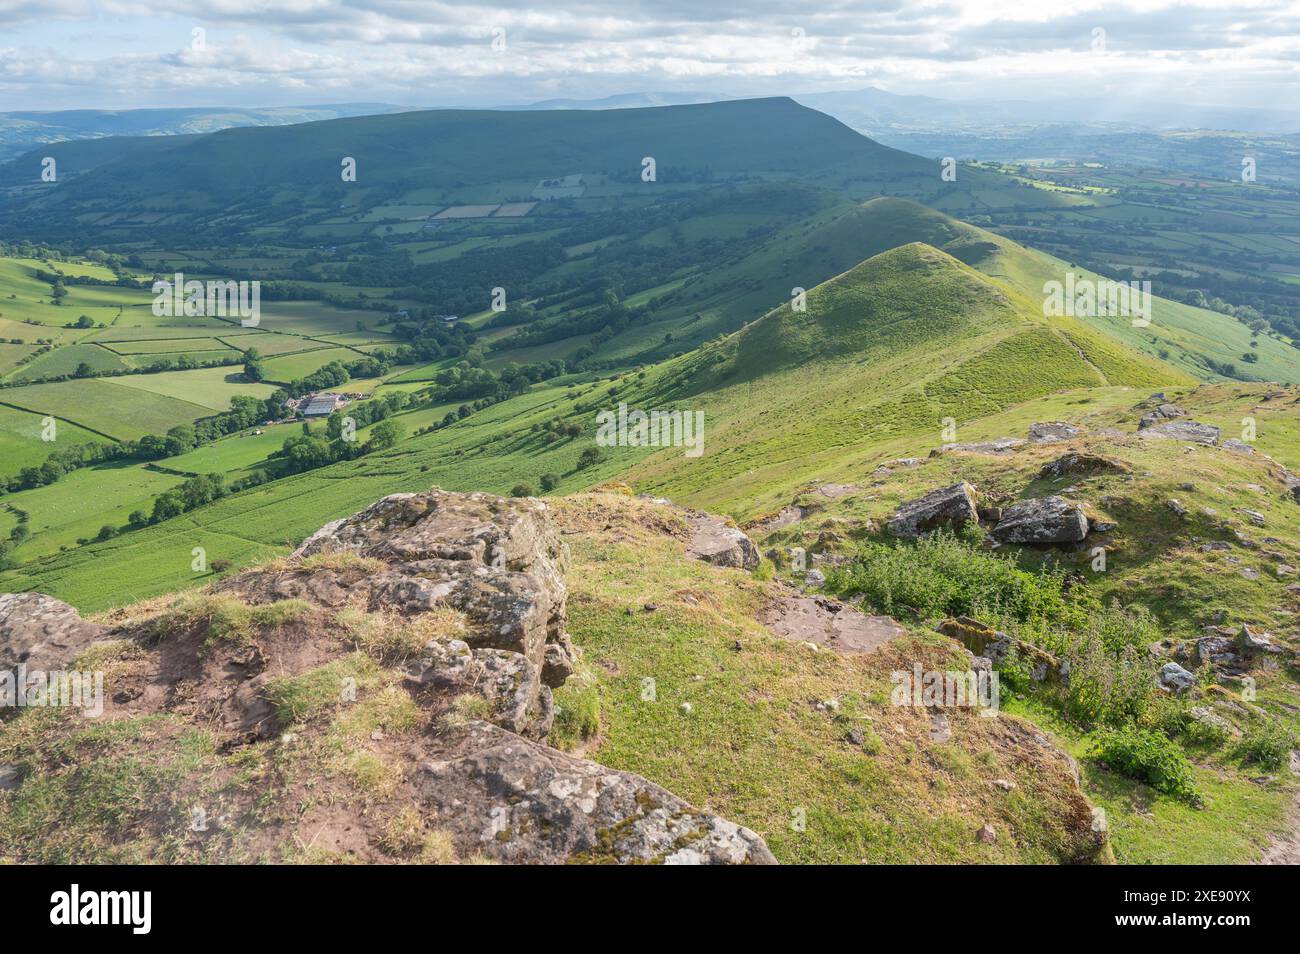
(856, 331)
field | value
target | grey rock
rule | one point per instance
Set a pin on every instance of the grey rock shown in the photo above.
(1081, 463)
(714, 541)
(10, 778)
(1252, 643)
(947, 507)
(997, 448)
(515, 800)
(1176, 678)
(1042, 520)
(1237, 447)
(41, 632)
(1193, 431)
(1053, 432)
(815, 577)
(1174, 504)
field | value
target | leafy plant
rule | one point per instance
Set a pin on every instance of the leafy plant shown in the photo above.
(1148, 756)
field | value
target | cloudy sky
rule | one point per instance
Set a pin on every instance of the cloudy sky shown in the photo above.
(58, 54)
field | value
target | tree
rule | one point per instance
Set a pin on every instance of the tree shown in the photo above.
(521, 490)
(254, 370)
(588, 458)
(166, 506)
(550, 482)
(83, 371)
(384, 434)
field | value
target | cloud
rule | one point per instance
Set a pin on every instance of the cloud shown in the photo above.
(427, 51)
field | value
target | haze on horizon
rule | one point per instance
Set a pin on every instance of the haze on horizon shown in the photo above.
(117, 54)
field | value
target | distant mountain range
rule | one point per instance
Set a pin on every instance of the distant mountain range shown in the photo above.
(22, 131)
(923, 123)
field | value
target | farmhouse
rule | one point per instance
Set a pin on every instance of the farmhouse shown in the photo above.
(321, 405)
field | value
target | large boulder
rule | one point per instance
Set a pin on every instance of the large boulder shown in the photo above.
(1193, 431)
(41, 632)
(715, 541)
(1042, 520)
(947, 507)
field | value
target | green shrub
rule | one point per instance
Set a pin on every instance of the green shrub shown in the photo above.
(1148, 756)
(1267, 745)
(944, 575)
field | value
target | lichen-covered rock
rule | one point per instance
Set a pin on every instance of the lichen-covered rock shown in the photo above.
(517, 801)
(1175, 678)
(1042, 520)
(510, 684)
(985, 642)
(716, 542)
(947, 507)
(41, 632)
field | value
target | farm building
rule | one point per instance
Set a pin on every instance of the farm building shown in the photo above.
(321, 405)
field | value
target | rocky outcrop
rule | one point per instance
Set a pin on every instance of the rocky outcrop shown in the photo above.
(1161, 412)
(715, 541)
(480, 580)
(947, 507)
(41, 632)
(1042, 520)
(1176, 679)
(497, 560)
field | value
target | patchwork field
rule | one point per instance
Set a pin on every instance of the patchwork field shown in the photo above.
(107, 407)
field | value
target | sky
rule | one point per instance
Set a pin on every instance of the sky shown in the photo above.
(65, 54)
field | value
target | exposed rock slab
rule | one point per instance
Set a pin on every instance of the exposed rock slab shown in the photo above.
(1193, 431)
(533, 804)
(999, 447)
(1053, 432)
(1081, 463)
(830, 623)
(41, 632)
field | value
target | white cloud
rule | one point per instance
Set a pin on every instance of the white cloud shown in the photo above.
(69, 52)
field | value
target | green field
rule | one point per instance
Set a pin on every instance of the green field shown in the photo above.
(20, 438)
(107, 407)
(207, 387)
